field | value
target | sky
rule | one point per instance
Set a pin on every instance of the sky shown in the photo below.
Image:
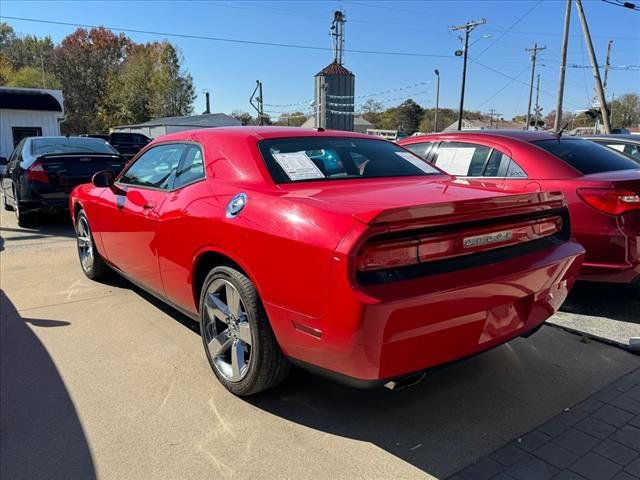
(412, 39)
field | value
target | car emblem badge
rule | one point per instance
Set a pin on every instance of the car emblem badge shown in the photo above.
(487, 239)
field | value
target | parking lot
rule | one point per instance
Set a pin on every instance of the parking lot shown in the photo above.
(103, 381)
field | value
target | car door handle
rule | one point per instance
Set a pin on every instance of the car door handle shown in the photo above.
(148, 206)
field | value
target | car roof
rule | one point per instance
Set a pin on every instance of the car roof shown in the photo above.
(523, 135)
(614, 136)
(259, 133)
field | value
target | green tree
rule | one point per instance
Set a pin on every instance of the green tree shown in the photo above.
(30, 77)
(625, 111)
(244, 117)
(171, 90)
(20, 58)
(292, 119)
(371, 110)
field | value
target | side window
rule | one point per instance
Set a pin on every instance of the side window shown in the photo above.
(191, 168)
(420, 149)
(156, 168)
(502, 165)
(633, 151)
(462, 159)
(16, 156)
(514, 170)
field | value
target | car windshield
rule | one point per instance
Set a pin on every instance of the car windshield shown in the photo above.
(586, 156)
(333, 158)
(48, 146)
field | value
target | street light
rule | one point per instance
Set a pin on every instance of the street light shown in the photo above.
(435, 121)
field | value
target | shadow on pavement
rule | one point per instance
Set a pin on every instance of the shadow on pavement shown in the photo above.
(42, 436)
(47, 226)
(602, 300)
(461, 412)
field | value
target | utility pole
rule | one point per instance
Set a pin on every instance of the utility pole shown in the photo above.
(435, 121)
(594, 66)
(537, 108)
(557, 125)
(468, 28)
(493, 112)
(607, 65)
(260, 101)
(604, 85)
(534, 54)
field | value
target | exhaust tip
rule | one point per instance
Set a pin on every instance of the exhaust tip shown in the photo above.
(405, 382)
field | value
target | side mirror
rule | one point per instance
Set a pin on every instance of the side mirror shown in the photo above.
(103, 179)
(4, 161)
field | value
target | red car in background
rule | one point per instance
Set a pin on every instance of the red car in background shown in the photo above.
(601, 187)
(336, 251)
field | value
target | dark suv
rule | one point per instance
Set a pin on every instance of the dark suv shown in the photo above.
(126, 143)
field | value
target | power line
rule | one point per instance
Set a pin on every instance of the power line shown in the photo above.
(509, 28)
(503, 88)
(499, 72)
(228, 40)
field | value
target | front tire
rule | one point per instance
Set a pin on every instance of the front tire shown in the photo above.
(238, 340)
(91, 262)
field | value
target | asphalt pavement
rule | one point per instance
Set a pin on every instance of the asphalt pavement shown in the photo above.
(100, 380)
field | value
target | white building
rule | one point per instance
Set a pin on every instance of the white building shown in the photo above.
(161, 126)
(28, 112)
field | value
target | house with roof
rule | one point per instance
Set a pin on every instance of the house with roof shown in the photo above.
(162, 126)
(486, 124)
(28, 112)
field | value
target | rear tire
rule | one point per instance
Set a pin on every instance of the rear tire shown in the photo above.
(6, 206)
(634, 289)
(238, 340)
(91, 262)
(24, 219)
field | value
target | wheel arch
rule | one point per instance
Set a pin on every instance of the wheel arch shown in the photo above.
(210, 258)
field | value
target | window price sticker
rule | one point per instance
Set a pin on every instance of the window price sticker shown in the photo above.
(298, 166)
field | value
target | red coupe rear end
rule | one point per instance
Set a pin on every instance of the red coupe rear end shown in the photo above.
(333, 250)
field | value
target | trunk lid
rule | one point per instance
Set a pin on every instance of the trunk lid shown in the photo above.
(411, 203)
(65, 171)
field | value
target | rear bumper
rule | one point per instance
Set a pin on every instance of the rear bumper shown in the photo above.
(391, 330)
(45, 205)
(610, 273)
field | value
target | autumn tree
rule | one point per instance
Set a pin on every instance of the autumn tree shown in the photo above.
(84, 62)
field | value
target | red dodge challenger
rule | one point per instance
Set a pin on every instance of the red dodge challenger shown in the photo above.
(600, 185)
(340, 252)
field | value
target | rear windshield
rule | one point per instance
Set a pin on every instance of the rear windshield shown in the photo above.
(586, 156)
(47, 146)
(334, 158)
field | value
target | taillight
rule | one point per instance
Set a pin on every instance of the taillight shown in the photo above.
(613, 202)
(377, 256)
(36, 173)
(421, 249)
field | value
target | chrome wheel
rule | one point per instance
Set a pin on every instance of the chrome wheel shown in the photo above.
(227, 332)
(85, 245)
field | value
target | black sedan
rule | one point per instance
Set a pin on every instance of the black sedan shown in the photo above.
(42, 171)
